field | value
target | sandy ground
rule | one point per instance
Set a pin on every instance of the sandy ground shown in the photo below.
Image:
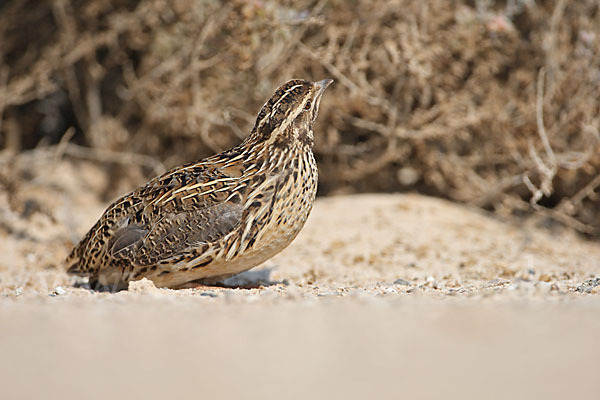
(380, 295)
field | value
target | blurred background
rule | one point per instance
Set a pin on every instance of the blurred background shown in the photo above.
(490, 103)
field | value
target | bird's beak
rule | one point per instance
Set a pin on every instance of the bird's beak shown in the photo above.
(322, 85)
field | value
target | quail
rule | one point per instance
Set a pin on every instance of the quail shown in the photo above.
(214, 218)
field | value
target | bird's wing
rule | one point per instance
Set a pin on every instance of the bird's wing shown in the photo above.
(174, 234)
(177, 211)
(186, 206)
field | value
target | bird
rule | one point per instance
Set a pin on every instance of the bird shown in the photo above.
(208, 220)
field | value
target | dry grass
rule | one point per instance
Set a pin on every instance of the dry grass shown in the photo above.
(492, 103)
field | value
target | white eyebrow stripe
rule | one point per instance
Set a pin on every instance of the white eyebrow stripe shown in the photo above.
(274, 108)
(283, 97)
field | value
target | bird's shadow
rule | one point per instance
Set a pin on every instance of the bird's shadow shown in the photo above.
(252, 279)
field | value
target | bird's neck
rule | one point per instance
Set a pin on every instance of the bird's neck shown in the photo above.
(282, 141)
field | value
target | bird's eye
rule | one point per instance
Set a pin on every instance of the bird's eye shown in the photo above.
(307, 105)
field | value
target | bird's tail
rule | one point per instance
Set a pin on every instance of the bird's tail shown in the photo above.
(73, 263)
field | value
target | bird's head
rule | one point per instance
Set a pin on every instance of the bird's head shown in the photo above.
(287, 117)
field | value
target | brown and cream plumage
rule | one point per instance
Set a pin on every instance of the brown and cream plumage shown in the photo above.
(217, 217)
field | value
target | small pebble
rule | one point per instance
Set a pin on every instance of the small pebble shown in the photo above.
(588, 286)
(390, 290)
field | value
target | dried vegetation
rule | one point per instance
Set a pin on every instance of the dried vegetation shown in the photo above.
(491, 103)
